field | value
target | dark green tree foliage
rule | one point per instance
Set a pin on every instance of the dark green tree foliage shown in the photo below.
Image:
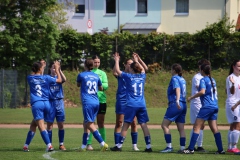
(27, 33)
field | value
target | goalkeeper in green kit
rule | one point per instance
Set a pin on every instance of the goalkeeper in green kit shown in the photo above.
(102, 99)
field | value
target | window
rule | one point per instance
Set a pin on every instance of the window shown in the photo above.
(182, 7)
(110, 6)
(141, 6)
(79, 7)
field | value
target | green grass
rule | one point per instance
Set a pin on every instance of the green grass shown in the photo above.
(74, 115)
(155, 88)
(14, 139)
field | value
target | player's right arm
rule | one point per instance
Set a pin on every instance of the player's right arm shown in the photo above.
(117, 59)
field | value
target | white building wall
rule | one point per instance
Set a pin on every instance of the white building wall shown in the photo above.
(201, 12)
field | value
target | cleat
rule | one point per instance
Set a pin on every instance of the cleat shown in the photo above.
(187, 151)
(50, 149)
(235, 150)
(180, 151)
(135, 148)
(25, 149)
(220, 152)
(62, 148)
(200, 149)
(148, 150)
(115, 149)
(89, 147)
(104, 147)
(230, 150)
(167, 150)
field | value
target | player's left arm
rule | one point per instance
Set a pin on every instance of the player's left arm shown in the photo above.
(104, 81)
(178, 97)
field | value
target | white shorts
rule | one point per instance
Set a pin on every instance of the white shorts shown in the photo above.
(194, 109)
(232, 116)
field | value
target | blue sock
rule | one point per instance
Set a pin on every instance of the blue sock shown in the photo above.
(134, 137)
(30, 136)
(168, 138)
(147, 140)
(61, 135)
(116, 137)
(182, 141)
(97, 136)
(45, 137)
(218, 141)
(193, 141)
(121, 139)
(50, 135)
(84, 138)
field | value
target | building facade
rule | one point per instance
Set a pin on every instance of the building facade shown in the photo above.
(190, 16)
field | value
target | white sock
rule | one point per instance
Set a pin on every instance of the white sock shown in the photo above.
(229, 136)
(83, 146)
(119, 145)
(182, 147)
(235, 137)
(148, 146)
(169, 145)
(102, 143)
(200, 139)
(134, 145)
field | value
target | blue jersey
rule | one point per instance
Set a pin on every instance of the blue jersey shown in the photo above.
(89, 87)
(209, 99)
(176, 82)
(121, 91)
(56, 91)
(39, 87)
(135, 89)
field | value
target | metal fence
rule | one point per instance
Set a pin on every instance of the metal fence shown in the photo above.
(14, 90)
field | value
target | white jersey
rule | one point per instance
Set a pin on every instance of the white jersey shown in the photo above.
(195, 83)
(232, 98)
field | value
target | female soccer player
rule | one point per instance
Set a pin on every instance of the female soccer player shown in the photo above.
(90, 83)
(39, 96)
(122, 102)
(102, 98)
(136, 105)
(195, 104)
(208, 112)
(177, 108)
(233, 95)
(57, 107)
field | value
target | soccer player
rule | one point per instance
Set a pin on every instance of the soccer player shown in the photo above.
(90, 83)
(177, 108)
(233, 95)
(121, 103)
(136, 105)
(57, 107)
(39, 96)
(102, 98)
(195, 104)
(208, 112)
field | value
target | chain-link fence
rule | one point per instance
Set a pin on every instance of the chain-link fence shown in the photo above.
(14, 91)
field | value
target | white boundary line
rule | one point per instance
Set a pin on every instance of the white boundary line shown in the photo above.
(48, 155)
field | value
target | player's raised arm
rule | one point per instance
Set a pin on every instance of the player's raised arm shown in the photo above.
(116, 66)
(145, 67)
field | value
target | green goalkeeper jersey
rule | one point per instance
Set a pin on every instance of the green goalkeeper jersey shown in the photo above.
(103, 77)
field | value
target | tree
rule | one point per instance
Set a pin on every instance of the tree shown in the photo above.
(27, 32)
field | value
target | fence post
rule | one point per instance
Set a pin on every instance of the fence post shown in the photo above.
(2, 89)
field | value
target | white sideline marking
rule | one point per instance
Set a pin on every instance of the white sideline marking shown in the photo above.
(48, 155)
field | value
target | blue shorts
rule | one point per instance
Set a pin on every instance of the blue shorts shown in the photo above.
(40, 109)
(139, 112)
(90, 112)
(56, 111)
(120, 107)
(174, 114)
(208, 113)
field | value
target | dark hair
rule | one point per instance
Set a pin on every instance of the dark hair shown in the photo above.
(136, 67)
(95, 57)
(89, 63)
(233, 64)
(126, 60)
(50, 66)
(207, 70)
(36, 66)
(203, 61)
(177, 68)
